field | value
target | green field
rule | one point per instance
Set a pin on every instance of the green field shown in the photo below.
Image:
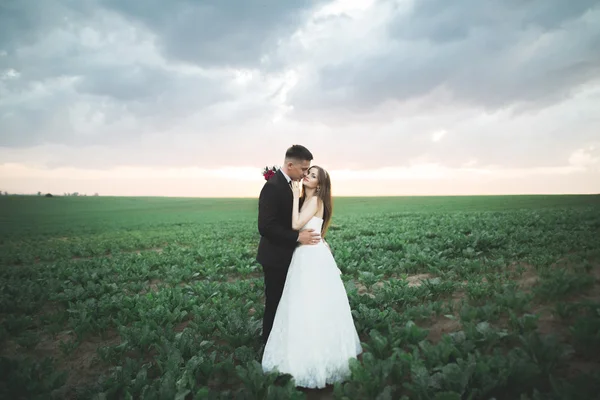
(160, 298)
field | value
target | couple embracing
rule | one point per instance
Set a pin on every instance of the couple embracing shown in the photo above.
(308, 329)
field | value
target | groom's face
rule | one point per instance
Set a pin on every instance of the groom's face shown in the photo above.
(299, 169)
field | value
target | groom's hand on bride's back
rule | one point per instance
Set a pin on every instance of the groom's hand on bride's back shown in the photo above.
(309, 236)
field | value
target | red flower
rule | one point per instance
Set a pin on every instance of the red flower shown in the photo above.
(268, 173)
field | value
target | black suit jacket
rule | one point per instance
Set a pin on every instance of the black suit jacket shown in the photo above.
(278, 239)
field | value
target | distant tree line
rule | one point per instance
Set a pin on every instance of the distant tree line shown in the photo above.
(78, 194)
(39, 193)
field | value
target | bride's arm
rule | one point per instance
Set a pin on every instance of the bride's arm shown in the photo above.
(299, 219)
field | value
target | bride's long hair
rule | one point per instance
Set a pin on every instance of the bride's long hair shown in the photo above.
(324, 194)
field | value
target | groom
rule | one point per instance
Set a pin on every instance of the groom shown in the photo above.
(278, 239)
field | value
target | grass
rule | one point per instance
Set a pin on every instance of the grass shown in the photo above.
(453, 297)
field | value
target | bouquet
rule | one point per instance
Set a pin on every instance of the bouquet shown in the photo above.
(269, 172)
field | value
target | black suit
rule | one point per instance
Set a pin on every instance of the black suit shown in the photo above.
(277, 243)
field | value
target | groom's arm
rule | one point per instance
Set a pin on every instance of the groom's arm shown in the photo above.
(268, 225)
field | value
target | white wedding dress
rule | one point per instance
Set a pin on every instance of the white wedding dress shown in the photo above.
(313, 335)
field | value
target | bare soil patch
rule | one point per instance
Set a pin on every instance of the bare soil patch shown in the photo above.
(525, 275)
(82, 364)
(362, 290)
(182, 325)
(441, 326)
(550, 323)
(151, 287)
(413, 281)
(417, 280)
(237, 277)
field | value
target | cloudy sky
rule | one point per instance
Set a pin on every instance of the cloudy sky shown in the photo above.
(193, 98)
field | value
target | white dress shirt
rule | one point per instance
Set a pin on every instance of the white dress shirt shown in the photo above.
(286, 176)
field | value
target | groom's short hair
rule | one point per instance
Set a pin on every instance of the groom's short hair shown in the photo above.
(298, 152)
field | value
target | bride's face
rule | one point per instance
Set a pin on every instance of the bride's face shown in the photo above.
(311, 180)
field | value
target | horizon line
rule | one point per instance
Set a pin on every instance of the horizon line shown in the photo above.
(344, 196)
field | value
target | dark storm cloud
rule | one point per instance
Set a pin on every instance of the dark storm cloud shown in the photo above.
(488, 54)
(116, 66)
(217, 33)
(106, 106)
(24, 22)
(447, 21)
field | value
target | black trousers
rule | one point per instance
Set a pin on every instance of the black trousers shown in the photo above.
(274, 283)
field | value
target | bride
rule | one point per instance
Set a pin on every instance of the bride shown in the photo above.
(313, 335)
